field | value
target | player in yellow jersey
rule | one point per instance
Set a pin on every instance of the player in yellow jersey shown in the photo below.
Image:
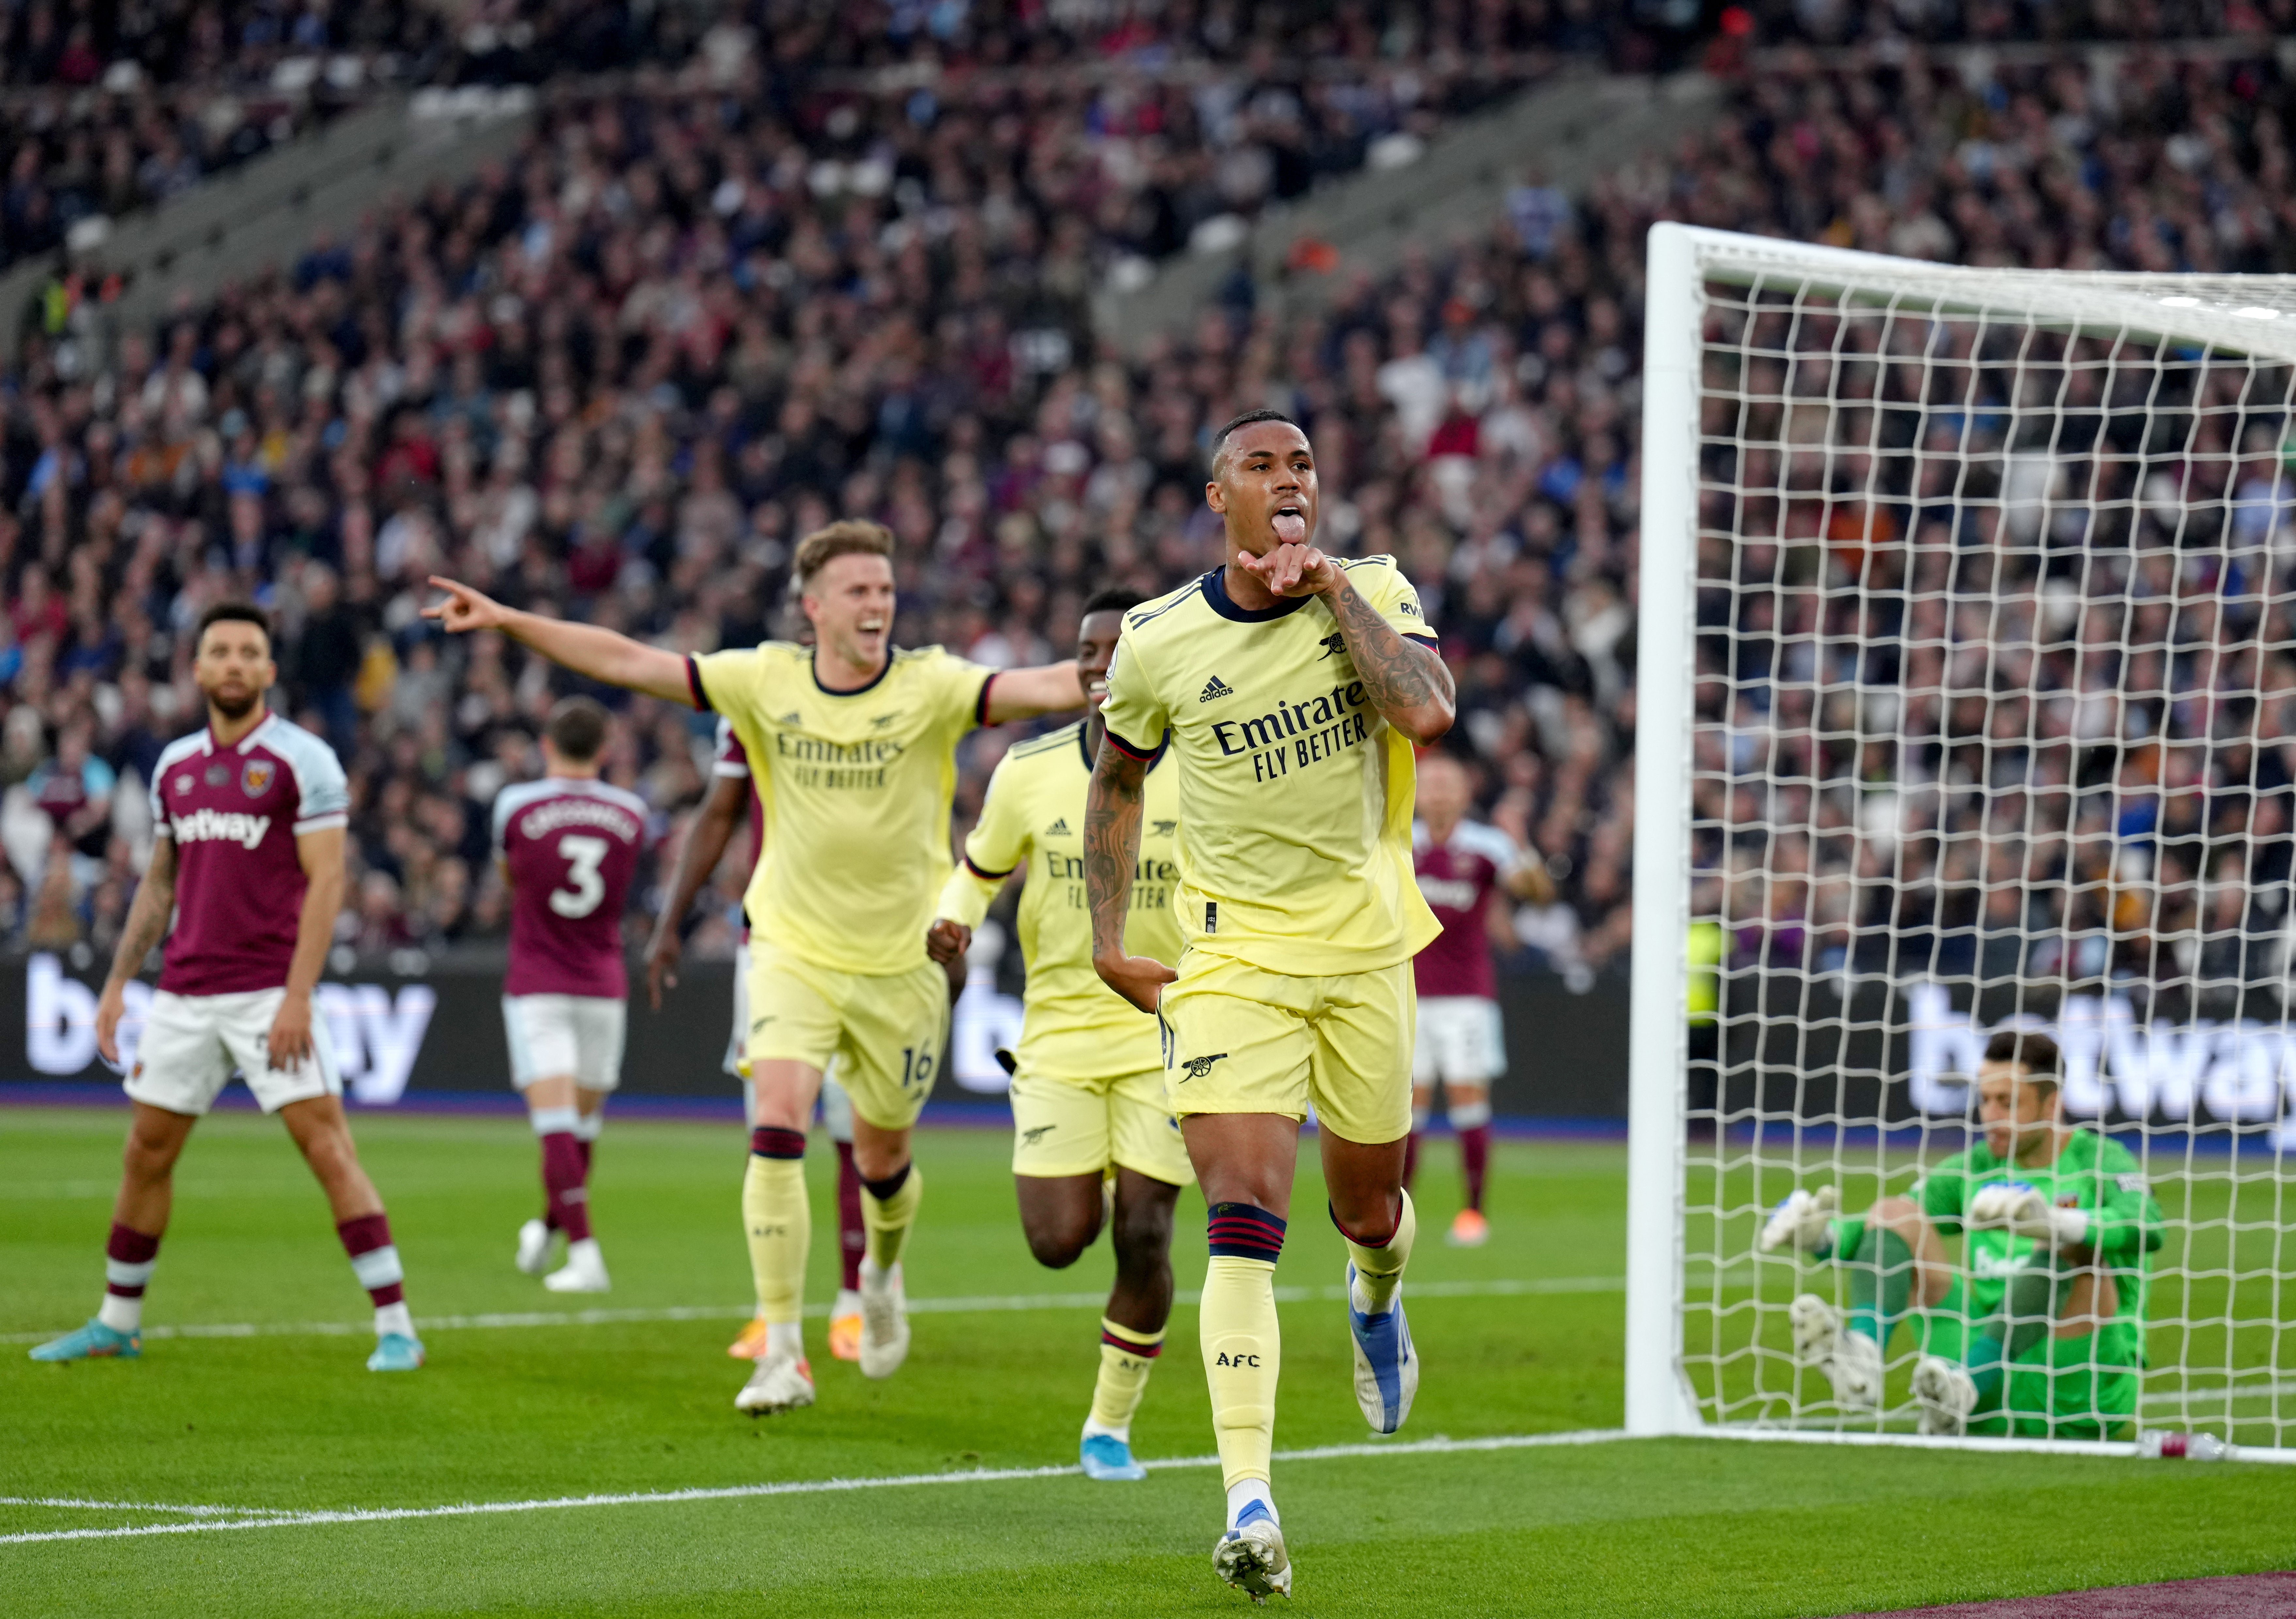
(851, 749)
(1088, 1102)
(1289, 688)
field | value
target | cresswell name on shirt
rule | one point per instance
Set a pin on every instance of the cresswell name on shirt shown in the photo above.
(544, 819)
(219, 827)
(1293, 735)
(808, 762)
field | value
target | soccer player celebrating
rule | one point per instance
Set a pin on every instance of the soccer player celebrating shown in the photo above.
(1088, 1099)
(851, 746)
(1290, 688)
(2040, 1329)
(1460, 864)
(568, 845)
(731, 803)
(248, 818)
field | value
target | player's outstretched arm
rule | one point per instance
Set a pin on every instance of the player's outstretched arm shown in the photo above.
(1111, 853)
(712, 828)
(320, 853)
(147, 924)
(585, 648)
(1023, 693)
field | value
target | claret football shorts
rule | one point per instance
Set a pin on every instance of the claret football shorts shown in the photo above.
(1240, 1040)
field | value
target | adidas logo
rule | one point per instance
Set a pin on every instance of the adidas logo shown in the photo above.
(1215, 688)
(792, 718)
(1058, 829)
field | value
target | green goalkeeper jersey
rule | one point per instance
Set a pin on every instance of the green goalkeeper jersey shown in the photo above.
(2094, 1174)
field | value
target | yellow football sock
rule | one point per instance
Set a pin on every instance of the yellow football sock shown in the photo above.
(1243, 1348)
(780, 1226)
(887, 1218)
(1126, 1356)
(1379, 1271)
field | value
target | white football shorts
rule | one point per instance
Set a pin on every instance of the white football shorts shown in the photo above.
(192, 1044)
(556, 1035)
(1461, 1041)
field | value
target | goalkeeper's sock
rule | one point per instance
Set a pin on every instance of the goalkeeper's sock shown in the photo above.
(852, 1236)
(1472, 1124)
(1986, 1363)
(888, 1209)
(2024, 1318)
(1881, 1282)
(1379, 1268)
(777, 1222)
(1126, 1356)
(1241, 1338)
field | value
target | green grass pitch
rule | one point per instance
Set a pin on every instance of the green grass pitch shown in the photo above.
(1523, 1337)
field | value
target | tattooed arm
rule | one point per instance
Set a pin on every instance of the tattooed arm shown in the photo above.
(1407, 679)
(147, 924)
(1112, 852)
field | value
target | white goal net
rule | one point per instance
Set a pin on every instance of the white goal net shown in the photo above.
(1967, 701)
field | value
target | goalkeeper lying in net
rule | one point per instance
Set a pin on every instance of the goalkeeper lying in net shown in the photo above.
(2039, 1328)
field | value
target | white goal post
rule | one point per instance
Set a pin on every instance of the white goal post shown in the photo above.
(1965, 700)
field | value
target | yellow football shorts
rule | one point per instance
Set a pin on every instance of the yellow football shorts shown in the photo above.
(1080, 1127)
(1239, 1039)
(884, 1031)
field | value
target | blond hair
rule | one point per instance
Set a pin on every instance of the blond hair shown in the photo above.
(850, 537)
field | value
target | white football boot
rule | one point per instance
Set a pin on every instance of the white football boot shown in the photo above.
(1851, 1360)
(780, 1383)
(1947, 1394)
(585, 1270)
(1251, 1556)
(535, 1241)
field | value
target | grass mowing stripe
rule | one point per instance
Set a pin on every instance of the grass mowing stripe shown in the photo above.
(981, 1305)
(282, 1519)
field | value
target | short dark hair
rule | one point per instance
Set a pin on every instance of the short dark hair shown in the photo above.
(1247, 419)
(1111, 599)
(2035, 1052)
(577, 728)
(233, 612)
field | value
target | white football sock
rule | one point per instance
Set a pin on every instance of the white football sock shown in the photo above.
(785, 1340)
(1244, 1492)
(1094, 1427)
(393, 1318)
(121, 1314)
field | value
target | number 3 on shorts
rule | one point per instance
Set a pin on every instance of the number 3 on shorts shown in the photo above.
(584, 855)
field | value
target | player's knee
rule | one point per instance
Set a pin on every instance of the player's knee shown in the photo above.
(1143, 1236)
(1902, 1215)
(1056, 1245)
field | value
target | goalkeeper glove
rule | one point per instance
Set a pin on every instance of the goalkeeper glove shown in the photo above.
(1805, 1220)
(2021, 1211)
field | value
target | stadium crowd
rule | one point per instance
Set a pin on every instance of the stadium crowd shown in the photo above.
(619, 376)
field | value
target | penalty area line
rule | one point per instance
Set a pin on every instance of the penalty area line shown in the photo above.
(271, 1519)
(987, 1304)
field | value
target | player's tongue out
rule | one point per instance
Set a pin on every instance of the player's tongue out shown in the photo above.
(1291, 528)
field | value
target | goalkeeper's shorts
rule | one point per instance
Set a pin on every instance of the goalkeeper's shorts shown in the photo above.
(2059, 1388)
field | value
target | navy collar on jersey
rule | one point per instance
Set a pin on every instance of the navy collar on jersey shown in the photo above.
(814, 663)
(1215, 585)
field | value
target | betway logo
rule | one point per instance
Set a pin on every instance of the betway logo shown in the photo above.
(2235, 1070)
(220, 826)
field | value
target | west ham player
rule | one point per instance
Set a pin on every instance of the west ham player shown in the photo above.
(248, 818)
(852, 747)
(568, 846)
(1292, 686)
(732, 802)
(1460, 864)
(2039, 1329)
(1088, 1104)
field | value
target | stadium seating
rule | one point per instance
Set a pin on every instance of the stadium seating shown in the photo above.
(619, 376)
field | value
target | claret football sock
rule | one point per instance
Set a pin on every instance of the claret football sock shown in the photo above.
(1881, 1282)
(129, 1258)
(852, 1236)
(1126, 1356)
(1241, 1337)
(888, 1207)
(374, 1260)
(565, 1190)
(1379, 1268)
(1472, 1124)
(778, 1223)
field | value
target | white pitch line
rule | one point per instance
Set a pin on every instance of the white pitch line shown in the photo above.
(69, 1500)
(986, 1304)
(1436, 1446)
